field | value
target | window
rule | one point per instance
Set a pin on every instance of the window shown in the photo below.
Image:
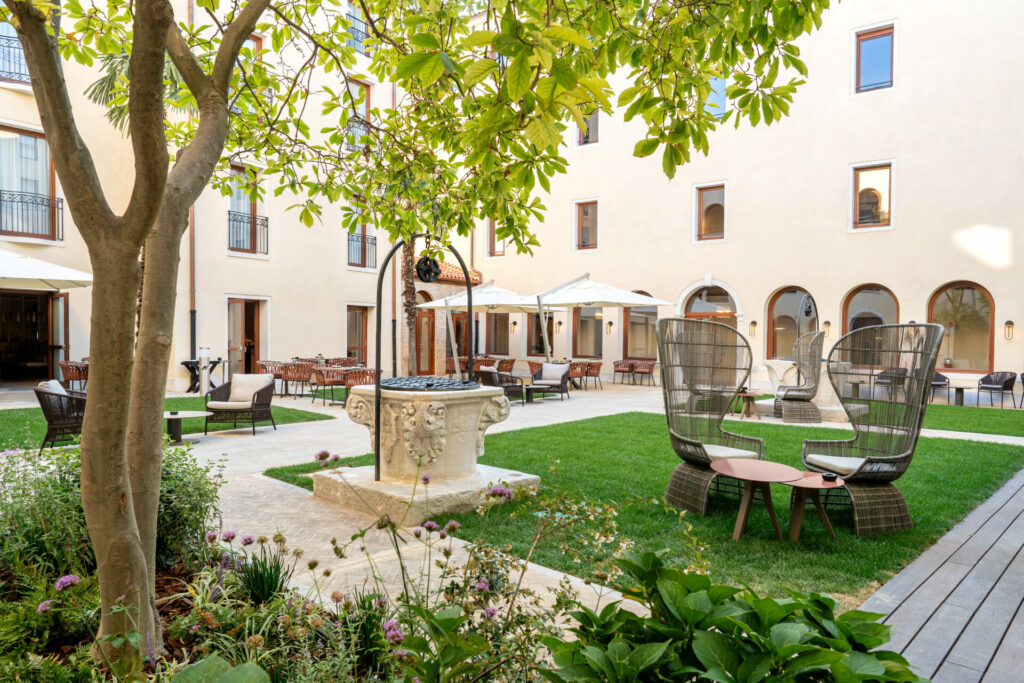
(874, 59)
(29, 206)
(586, 225)
(12, 58)
(589, 135)
(358, 125)
(356, 30)
(356, 333)
(715, 104)
(497, 334)
(966, 310)
(247, 231)
(792, 312)
(712, 303)
(535, 340)
(495, 247)
(586, 332)
(640, 338)
(711, 212)
(362, 249)
(872, 196)
(869, 305)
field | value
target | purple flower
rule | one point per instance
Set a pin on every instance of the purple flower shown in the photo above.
(44, 606)
(430, 525)
(248, 540)
(195, 627)
(211, 536)
(392, 632)
(452, 526)
(67, 581)
(227, 536)
(425, 478)
(490, 612)
(483, 585)
(389, 625)
(322, 455)
(382, 601)
(443, 534)
(335, 457)
(501, 492)
(417, 532)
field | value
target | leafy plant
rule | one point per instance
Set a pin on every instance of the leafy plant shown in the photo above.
(265, 574)
(215, 669)
(699, 631)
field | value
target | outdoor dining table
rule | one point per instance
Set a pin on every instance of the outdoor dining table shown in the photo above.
(194, 373)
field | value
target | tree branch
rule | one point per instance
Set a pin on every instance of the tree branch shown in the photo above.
(193, 75)
(235, 35)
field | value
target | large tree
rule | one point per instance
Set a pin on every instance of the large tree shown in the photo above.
(485, 93)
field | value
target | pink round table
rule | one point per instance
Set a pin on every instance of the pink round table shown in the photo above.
(756, 475)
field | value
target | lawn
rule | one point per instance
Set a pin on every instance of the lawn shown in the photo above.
(971, 419)
(623, 457)
(25, 427)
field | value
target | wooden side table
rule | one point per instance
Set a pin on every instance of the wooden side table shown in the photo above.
(756, 475)
(749, 409)
(805, 488)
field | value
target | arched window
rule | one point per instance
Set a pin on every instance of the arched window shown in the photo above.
(639, 338)
(870, 305)
(791, 310)
(712, 303)
(869, 203)
(966, 310)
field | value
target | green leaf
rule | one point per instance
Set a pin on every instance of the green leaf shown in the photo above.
(646, 655)
(543, 133)
(209, 669)
(863, 664)
(432, 69)
(668, 162)
(478, 38)
(411, 64)
(713, 650)
(479, 70)
(646, 148)
(518, 77)
(425, 40)
(246, 673)
(787, 633)
(566, 35)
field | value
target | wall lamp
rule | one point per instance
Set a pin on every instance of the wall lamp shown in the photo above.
(558, 326)
(515, 324)
(752, 328)
(1008, 330)
(826, 326)
(608, 327)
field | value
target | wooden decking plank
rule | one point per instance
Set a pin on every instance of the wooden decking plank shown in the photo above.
(972, 549)
(915, 611)
(954, 673)
(984, 634)
(1006, 664)
(927, 651)
(984, 575)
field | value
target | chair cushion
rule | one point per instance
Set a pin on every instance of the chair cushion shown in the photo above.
(244, 386)
(716, 452)
(52, 386)
(229, 405)
(553, 371)
(835, 463)
(547, 382)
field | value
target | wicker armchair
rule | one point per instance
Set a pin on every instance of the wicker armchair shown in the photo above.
(357, 378)
(63, 411)
(940, 381)
(74, 371)
(246, 398)
(703, 366)
(299, 372)
(325, 378)
(623, 368)
(484, 363)
(506, 365)
(578, 374)
(554, 377)
(998, 381)
(886, 428)
(343, 362)
(514, 387)
(793, 402)
(594, 372)
(270, 367)
(534, 366)
(643, 367)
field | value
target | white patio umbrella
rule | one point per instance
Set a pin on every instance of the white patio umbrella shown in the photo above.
(18, 271)
(583, 291)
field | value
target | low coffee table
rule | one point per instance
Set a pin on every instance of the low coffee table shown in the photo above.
(174, 422)
(804, 488)
(756, 475)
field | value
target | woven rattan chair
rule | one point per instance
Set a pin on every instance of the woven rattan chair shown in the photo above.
(886, 428)
(940, 381)
(554, 377)
(275, 368)
(644, 367)
(514, 387)
(703, 366)
(484, 363)
(325, 378)
(793, 402)
(63, 411)
(622, 368)
(594, 373)
(342, 362)
(578, 374)
(534, 366)
(246, 398)
(357, 378)
(1001, 382)
(300, 373)
(506, 365)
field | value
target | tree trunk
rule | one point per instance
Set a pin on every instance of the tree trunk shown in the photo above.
(106, 490)
(409, 302)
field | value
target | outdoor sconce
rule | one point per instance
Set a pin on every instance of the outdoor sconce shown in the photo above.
(1008, 330)
(558, 326)
(515, 324)
(608, 327)
(826, 326)
(752, 328)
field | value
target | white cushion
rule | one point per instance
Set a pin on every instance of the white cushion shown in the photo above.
(229, 405)
(244, 386)
(716, 452)
(835, 463)
(547, 382)
(52, 386)
(553, 371)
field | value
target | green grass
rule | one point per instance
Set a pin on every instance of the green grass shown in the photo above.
(978, 420)
(25, 427)
(628, 456)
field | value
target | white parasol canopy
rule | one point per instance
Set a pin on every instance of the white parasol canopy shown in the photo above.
(486, 298)
(18, 271)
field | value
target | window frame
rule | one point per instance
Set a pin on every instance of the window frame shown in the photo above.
(991, 323)
(698, 224)
(491, 351)
(855, 170)
(580, 142)
(361, 230)
(531, 324)
(53, 236)
(626, 310)
(770, 318)
(575, 328)
(579, 223)
(868, 33)
(492, 241)
(253, 213)
(857, 290)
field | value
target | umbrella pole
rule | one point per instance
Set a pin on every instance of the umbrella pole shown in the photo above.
(451, 337)
(543, 328)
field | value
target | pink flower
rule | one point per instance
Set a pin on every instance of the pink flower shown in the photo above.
(44, 606)
(452, 526)
(425, 478)
(211, 536)
(248, 540)
(228, 536)
(67, 582)
(322, 455)
(483, 585)
(430, 525)
(490, 612)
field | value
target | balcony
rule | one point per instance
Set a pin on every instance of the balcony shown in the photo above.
(12, 61)
(355, 131)
(247, 233)
(362, 250)
(27, 214)
(357, 33)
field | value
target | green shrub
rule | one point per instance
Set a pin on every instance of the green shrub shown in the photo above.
(46, 670)
(49, 614)
(44, 525)
(264, 574)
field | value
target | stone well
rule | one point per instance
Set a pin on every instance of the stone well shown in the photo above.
(435, 433)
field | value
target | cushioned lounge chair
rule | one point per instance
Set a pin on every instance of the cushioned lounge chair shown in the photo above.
(63, 410)
(554, 377)
(793, 402)
(245, 399)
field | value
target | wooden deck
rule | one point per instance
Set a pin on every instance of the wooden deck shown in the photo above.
(957, 612)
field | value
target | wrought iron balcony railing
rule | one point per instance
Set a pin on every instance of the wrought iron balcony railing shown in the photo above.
(27, 214)
(355, 131)
(12, 60)
(362, 250)
(357, 33)
(247, 232)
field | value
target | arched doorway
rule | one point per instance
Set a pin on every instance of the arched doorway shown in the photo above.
(712, 303)
(967, 311)
(424, 336)
(870, 305)
(791, 312)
